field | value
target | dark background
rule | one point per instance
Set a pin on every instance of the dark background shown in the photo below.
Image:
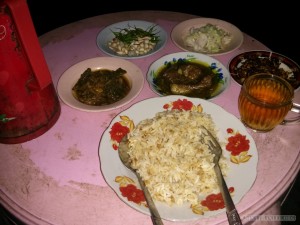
(274, 24)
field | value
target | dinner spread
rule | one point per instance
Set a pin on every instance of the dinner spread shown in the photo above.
(77, 135)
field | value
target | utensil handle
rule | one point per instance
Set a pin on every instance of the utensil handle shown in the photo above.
(156, 221)
(234, 217)
(232, 214)
(155, 217)
(295, 119)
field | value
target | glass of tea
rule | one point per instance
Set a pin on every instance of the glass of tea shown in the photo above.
(264, 102)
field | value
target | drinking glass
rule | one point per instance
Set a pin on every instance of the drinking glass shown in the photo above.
(264, 102)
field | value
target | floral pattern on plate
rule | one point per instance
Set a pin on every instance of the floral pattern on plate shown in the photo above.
(237, 145)
(238, 148)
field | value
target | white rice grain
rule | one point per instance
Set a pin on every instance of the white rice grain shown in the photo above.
(168, 153)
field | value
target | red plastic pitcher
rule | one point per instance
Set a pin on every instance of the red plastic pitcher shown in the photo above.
(29, 105)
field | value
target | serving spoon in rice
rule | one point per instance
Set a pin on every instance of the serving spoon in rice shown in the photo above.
(124, 157)
(215, 148)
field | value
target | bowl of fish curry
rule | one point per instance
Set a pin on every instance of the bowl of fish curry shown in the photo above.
(188, 74)
(101, 87)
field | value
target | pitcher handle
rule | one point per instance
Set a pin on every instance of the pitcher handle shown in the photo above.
(30, 42)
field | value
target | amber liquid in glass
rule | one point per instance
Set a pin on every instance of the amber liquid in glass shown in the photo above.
(264, 102)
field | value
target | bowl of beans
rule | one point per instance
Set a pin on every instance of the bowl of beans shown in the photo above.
(131, 39)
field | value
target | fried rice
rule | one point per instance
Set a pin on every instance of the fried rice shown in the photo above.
(172, 158)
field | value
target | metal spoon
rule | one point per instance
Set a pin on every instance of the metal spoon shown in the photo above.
(124, 156)
(232, 214)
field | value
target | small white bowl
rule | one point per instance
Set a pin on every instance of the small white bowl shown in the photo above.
(217, 67)
(181, 30)
(69, 78)
(107, 35)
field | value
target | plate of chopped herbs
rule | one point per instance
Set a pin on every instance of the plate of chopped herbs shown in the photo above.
(131, 39)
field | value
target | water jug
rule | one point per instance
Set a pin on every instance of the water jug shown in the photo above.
(29, 105)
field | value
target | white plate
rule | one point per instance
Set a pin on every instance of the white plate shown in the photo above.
(240, 176)
(181, 30)
(107, 35)
(72, 74)
(218, 68)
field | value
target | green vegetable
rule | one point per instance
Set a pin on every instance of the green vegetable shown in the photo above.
(130, 34)
(209, 38)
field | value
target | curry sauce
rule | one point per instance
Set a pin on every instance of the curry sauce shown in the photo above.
(187, 78)
(101, 87)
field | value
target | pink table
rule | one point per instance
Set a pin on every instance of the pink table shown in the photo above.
(56, 178)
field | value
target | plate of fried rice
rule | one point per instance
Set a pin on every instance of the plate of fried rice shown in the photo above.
(169, 150)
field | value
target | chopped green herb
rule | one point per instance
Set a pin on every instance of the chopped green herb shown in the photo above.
(130, 34)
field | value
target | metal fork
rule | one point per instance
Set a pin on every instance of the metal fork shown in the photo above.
(232, 214)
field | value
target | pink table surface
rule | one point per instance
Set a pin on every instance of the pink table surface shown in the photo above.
(56, 178)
